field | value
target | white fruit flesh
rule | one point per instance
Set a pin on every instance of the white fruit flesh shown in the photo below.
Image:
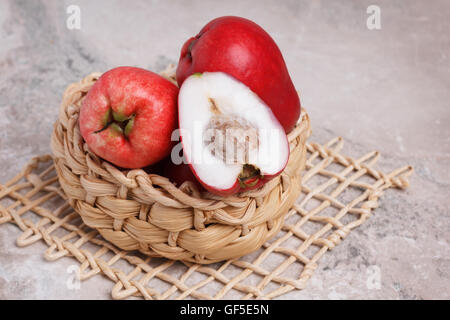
(224, 126)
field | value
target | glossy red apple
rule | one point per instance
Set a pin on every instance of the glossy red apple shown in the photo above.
(242, 49)
(128, 116)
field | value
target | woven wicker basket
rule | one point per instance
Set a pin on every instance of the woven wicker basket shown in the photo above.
(139, 211)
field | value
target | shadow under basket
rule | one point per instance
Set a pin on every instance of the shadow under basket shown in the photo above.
(136, 210)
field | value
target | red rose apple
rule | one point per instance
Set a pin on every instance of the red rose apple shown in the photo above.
(128, 116)
(242, 49)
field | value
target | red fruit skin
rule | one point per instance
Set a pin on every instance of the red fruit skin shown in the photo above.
(130, 91)
(236, 188)
(179, 173)
(242, 49)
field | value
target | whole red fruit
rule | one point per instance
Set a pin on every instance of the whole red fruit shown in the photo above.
(128, 116)
(242, 49)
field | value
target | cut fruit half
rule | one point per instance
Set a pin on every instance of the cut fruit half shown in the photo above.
(231, 139)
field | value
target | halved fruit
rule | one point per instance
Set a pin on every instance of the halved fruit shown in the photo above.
(231, 139)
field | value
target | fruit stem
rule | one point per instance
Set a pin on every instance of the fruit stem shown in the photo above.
(116, 128)
(129, 126)
(119, 117)
(118, 122)
(106, 121)
(249, 176)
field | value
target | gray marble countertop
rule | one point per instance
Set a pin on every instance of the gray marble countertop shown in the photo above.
(385, 90)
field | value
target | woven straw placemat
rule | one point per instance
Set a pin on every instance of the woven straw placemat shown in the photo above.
(339, 193)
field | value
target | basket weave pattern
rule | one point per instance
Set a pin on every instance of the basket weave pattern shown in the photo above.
(136, 210)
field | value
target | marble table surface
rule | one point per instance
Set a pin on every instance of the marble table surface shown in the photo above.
(384, 89)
